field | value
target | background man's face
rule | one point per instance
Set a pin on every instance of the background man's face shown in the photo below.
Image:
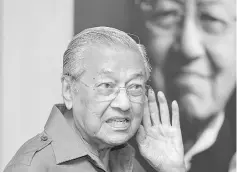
(111, 122)
(191, 44)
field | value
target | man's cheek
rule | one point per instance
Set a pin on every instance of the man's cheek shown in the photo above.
(158, 55)
(137, 110)
(96, 109)
(93, 107)
(93, 124)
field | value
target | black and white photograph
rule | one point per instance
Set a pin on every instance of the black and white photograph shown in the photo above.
(117, 85)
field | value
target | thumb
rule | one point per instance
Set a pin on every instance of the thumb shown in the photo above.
(141, 135)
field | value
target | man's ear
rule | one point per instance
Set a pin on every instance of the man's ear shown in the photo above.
(67, 93)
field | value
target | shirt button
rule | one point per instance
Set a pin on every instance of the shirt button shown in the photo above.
(44, 138)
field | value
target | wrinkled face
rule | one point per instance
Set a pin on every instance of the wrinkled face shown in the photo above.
(191, 44)
(107, 117)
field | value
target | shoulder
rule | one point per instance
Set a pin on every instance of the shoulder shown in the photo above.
(32, 155)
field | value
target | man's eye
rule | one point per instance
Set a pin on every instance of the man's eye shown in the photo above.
(166, 19)
(135, 89)
(212, 24)
(207, 17)
(107, 85)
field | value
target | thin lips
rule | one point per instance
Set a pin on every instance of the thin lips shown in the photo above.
(186, 81)
(191, 72)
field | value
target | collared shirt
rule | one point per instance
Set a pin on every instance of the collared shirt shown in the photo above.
(206, 139)
(59, 148)
(218, 148)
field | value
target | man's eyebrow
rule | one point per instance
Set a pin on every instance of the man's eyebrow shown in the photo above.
(181, 2)
(138, 74)
(105, 71)
(133, 75)
(229, 8)
(177, 1)
(208, 2)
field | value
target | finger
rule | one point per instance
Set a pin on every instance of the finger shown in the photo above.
(175, 114)
(141, 135)
(154, 112)
(164, 110)
(146, 120)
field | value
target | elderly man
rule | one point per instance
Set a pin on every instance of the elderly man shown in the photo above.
(104, 92)
(191, 44)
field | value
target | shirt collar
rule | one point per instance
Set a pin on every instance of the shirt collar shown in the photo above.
(206, 139)
(67, 145)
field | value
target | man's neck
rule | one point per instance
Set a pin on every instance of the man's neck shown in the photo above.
(104, 157)
(205, 139)
(100, 151)
(190, 132)
(193, 131)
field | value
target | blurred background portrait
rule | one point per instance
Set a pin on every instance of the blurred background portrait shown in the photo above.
(192, 49)
(191, 46)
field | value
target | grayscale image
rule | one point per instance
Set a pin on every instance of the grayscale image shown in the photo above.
(118, 85)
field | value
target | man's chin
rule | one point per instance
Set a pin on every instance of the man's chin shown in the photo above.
(115, 141)
(195, 108)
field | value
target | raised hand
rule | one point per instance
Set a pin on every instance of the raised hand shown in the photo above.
(160, 142)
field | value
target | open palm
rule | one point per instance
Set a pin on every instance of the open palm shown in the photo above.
(159, 140)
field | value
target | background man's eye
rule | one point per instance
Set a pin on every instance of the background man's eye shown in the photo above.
(206, 17)
(212, 24)
(166, 19)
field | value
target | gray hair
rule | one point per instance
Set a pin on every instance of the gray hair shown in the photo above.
(72, 59)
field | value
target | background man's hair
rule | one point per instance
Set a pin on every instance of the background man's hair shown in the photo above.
(72, 60)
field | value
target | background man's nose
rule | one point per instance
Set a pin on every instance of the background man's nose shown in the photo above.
(190, 41)
(122, 101)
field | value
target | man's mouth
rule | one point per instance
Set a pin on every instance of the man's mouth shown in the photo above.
(119, 123)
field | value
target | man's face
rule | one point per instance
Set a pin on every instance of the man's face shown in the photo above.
(103, 118)
(191, 44)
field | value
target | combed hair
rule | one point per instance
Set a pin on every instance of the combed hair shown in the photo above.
(72, 59)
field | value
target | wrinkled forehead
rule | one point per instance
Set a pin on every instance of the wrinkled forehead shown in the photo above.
(230, 4)
(213, 6)
(114, 62)
(182, 2)
(227, 4)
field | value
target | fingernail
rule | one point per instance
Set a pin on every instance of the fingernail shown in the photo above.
(151, 91)
(151, 95)
(160, 94)
(174, 103)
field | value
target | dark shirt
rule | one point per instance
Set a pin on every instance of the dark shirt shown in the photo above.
(59, 148)
(216, 158)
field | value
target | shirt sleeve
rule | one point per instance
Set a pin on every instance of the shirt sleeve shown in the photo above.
(17, 168)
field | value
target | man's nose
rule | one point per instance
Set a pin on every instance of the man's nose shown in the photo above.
(122, 101)
(190, 41)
